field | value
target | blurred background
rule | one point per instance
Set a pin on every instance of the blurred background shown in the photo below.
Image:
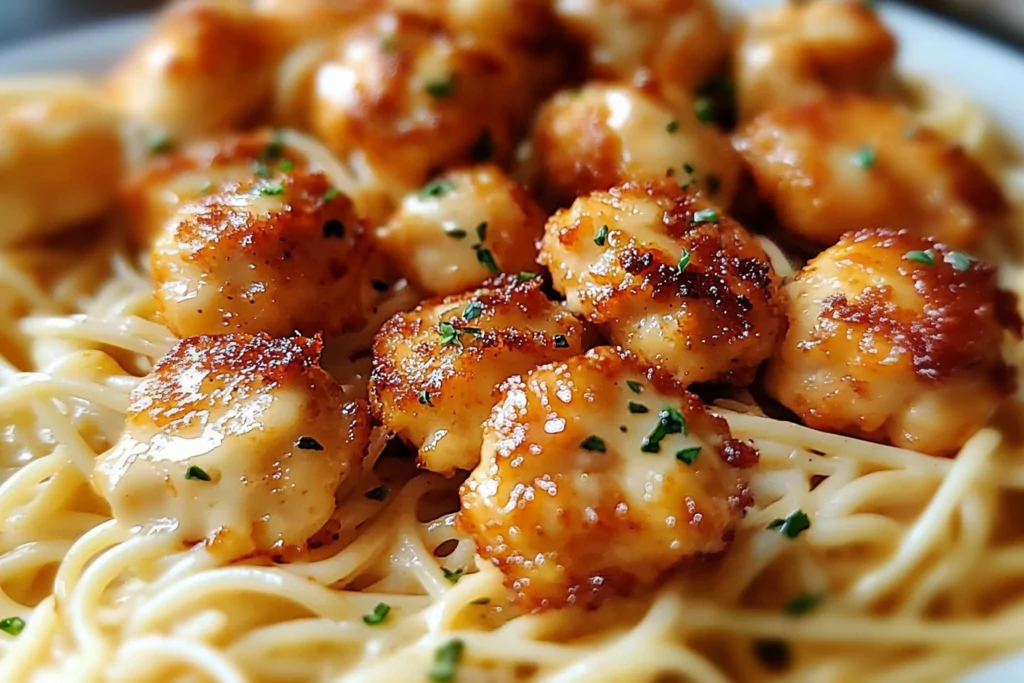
(24, 19)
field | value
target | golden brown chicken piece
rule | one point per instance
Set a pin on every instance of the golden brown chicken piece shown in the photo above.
(207, 68)
(238, 440)
(893, 338)
(268, 255)
(462, 228)
(435, 368)
(60, 156)
(598, 475)
(677, 43)
(847, 163)
(603, 135)
(798, 52)
(669, 277)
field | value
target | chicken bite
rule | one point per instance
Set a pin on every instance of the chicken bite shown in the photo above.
(669, 277)
(847, 163)
(274, 256)
(463, 228)
(603, 135)
(435, 368)
(598, 475)
(237, 440)
(893, 338)
(799, 52)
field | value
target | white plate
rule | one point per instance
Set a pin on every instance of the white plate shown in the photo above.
(938, 50)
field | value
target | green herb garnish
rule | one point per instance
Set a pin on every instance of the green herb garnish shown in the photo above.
(437, 188)
(593, 443)
(705, 216)
(378, 615)
(486, 259)
(12, 625)
(442, 88)
(960, 261)
(634, 386)
(792, 526)
(473, 310)
(446, 661)
(926, 257)
(670, 421)
(672, 126)
(637, 408)
(688, 455)
(602, 236)
(199, 473)
(864, 157)
(561, 342)
(453, 575)
(803, 603)
(308, 443)
(684, 260)
(425, 398)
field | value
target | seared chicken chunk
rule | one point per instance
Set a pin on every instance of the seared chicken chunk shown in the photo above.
(799, 52)
(669, 277)
(847, 163)
(435, 368)
(463, 228)
(403, 98)
(60, 156)
(604, 135)
(678, 43)
(207, 68)
(598, 475)
(237, 440)
(893, 338)
(274, 256)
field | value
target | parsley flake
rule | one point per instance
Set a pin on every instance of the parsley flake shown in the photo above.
(378, 615)
(670, 421)
(704, 108)
(308, 443)
(425, 398)
(602, 236)
(331, 194)
(161, 143)
(449, 333)
(446, 661)
(792, 526)
(473, 310)
(803, 604)
(688, 455)
(960, 261)
(453, 575)
(705, 216)
(486, 259)
(481, 232)
(593, 443)
(864, 157)
(199, 473)
(634, 386)
(271, 190)
(926, 257)
(482, 601)
(684, 260)
(637, 408)
(525, 275)
(437, 188)
(378, 493)
(442, 88)
(688, 168)
(287, 165)
(672, 126)
(561, 342)
(12, 625)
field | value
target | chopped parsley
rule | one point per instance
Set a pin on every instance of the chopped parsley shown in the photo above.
(331, 193)
(704, 108)
(287, 165)
(274, 148)
(12, 625)
(792, 526)
(593, 443)
(684, 260)
(864, 157)
(473, 310)
(602, 236)
(308, 443)
(161, 143)
(561, 342)
(334, 228)
(525, 275)
(481, 231)
(634, 386)
(378, 615)
(378, 493)
(482, 601)
(437, 188)
(637, 408)
(483, 147)
(425, 398)
(688, 455)
(926, 257)
(199, 473)
(670, 421)
(446, 661)
(456, 233)
(960, 261)
(449, 333)
(379, 285)
(672, 126)
(705, 216)
(271, 190)
(803, 604)
(442, 88)
(486, 259)
(453, 575)
(688, 168)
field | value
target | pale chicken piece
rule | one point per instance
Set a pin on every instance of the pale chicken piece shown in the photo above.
(463, 228)
(401, 98)
(275, 256)
(669, 277)
(603, 135)
(207, 68)
(597, 476)
(154, 192)
(60, 156)
(677, 43)
(799, 52)
(896, 339)
(846, 163)
(237, 440)
(435, 368)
